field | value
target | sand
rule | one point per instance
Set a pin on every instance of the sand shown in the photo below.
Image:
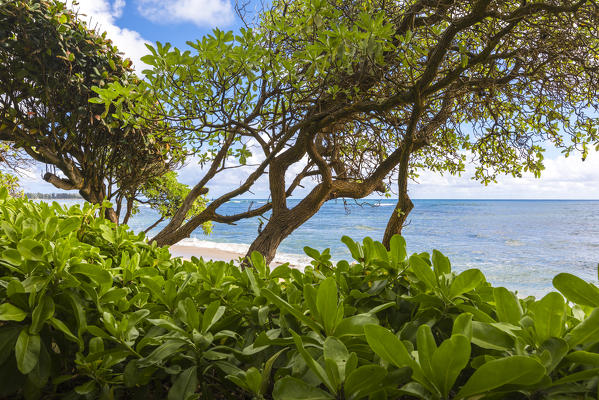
(186, 252)
(209, 253)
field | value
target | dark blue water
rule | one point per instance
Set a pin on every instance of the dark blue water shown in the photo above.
(520, 244)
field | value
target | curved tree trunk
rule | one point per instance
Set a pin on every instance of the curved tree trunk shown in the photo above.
(97, 196)
(404, 204)
(285, 221)
(268, 241)
(398, 218)
(277, 229)
(168, 237)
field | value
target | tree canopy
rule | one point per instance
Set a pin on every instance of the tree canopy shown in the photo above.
(49, 61)
(357, 91)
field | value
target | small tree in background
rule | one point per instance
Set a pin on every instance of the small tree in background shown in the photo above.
(49, 60)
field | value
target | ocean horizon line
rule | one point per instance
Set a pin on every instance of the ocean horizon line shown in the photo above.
(427, 198)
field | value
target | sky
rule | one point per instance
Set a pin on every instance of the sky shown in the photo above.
(133, 23)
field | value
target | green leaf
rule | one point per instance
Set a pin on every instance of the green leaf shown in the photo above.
(8, 312)
(577, 290)
(578, 376)
(259, 263)
(27, 351)
(31, 249)
(283, 305)
(94, 272)
(355, 249)
(312, 364)
(391, 349)
(253, 283)
(68, 225)
(363, 381)
(161, 353)
(266, 372)
(557, 348)
(465, 282)
(86, 388)
(9, 231)
(549, 316)
(423, 271)
(354, 325)
(166, 324)
(41, 313)
(463, 325)
(61, 326)
(12, 256)
(425, 342)
(312, 253)
(326, 303)
(213, 313)
(449, 360)
(335, 350)
(441, 263)
(489, 337)
(586, 332)
(584, 357)
(516, 370)
(397, 248)
(508, 307)
(185, 384)
(290, 388)
(253, 380)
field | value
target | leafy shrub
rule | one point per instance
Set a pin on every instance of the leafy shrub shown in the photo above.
(90, 310)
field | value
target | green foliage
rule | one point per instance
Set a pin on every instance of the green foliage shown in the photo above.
(49, 60)
(90, 310)
(165, 194)
(363, 92)
(11, 183)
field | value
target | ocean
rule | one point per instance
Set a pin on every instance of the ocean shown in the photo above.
(519, 244)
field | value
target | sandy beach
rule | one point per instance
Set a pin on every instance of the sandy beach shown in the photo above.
(186, 252)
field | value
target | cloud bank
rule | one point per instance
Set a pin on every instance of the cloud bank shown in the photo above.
(563, 178)
(203, 13)
(102, 15)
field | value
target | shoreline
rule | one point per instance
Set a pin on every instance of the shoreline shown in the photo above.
(208, 253)
(226, 251)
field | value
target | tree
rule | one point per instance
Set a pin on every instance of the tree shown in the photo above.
(165, 194)
(358, 91)
(13, 164)
(49, 60)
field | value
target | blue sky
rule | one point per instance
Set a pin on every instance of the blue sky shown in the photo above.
(132, 23)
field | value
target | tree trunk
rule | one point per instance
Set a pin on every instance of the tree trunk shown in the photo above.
(175, 229)
(128, 211)
(283, 223)
(97, 196)
(269, 240)
(110, 215)
(404, 204)
(398, 218)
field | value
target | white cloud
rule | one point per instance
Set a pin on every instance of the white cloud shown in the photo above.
(102, 15)
(203, 13)
(563, 178)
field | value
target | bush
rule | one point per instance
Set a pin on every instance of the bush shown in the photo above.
(90, 310)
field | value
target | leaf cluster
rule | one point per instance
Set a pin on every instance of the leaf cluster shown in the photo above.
(166, 194)
(91, 310)
(49, 61)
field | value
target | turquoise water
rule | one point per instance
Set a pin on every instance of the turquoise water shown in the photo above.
(520, 244)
